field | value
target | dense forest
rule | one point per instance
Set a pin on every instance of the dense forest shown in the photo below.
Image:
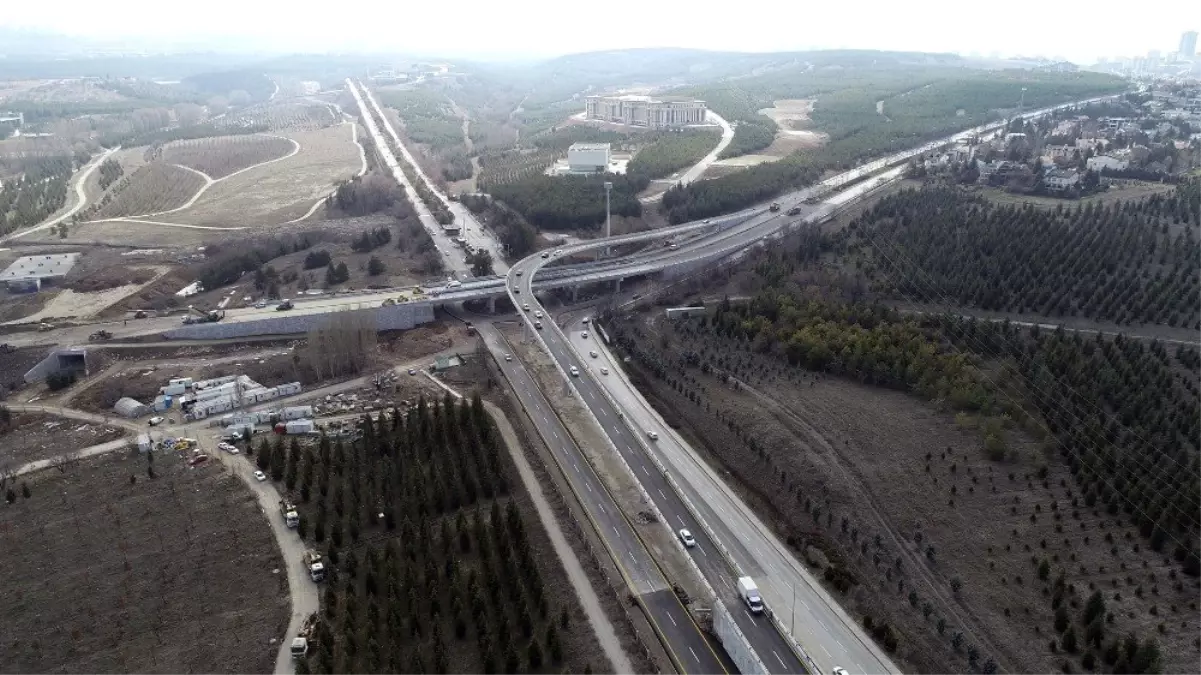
(434, 567)
(1129, 262)
(36, 195)
(518, 236)
(256, 85)
(702, 199)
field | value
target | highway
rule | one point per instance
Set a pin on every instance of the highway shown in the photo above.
(771, 646)
(471, 229)
(832, 637)
(682, 637)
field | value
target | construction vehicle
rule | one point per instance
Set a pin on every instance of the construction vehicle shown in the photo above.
(300, 643)
(389, 302)
(794, 211)
(417, 290)
(312, 562)
(284, 306)
(196, 315)
(140, 314)
(99, 336)
(813, 200)
(470, 328)
(775, 206)
(291, 517)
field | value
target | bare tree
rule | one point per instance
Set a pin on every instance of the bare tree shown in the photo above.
(341, 344)
(65, 461)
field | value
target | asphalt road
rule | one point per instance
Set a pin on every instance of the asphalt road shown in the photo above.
(684, 638)
(828, 633)
(773, 648)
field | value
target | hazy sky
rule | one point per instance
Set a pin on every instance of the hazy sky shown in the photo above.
(546, 27)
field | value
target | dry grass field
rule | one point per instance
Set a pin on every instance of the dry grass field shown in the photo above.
(130, 159)
(283, 190)
(111, 570)
(135, 233)
(219, 157)
(152, 188)
(34, 436)
(900, 496)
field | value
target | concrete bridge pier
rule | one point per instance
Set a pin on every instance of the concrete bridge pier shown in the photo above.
(617, 285)
(492, 305)
(575, 292)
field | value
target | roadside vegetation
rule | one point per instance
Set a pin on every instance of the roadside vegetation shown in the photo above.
(438, 565)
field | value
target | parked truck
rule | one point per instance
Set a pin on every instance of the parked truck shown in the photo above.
(750, 594)
(288, 509)
(300, 643)
(312, 562)
(794, 211)
(775, 206)
(100, 336)
(295, 427)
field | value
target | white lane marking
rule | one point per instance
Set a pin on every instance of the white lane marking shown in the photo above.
(602, 507)
(694, 656)
(748, 615)
(673, 620)
(589, 486)
(682, 523)
(662, 495)
(698, 547)
(823, 648)
(779, 659)
(643, 467)
(615, 531)
(576, 467)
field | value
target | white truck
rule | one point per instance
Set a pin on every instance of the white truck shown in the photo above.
(750, 594)
(288, 509)
(316, 568)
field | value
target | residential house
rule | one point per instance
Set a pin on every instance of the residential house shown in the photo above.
(1103, 162)
(1066, 152)
(1060, 180)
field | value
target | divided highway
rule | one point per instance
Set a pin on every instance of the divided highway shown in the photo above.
(684, 639)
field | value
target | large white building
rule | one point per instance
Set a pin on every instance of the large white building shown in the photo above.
(644, 111)
(588, 157)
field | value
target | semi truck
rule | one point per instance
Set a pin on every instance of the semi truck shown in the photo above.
(750, 594)
(288, 509)
(312, 562)
(300, 643)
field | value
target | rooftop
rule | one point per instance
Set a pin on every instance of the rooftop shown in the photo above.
(40, 266)
(584, 147)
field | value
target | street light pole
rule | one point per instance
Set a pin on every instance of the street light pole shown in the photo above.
(608, 214)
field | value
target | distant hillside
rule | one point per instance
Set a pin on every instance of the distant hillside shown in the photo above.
(254, 83)
(560, 78)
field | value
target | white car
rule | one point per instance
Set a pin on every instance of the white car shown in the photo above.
(575, 372)
(157, 420)
(559, 252)
(508, 357)
(839, 671)
(538, 314)
(260, 476)
(584, 335)
(592, 353)
(545, 256)
(228, 447)
(686, 537)
(261, 304)
(604, 370)
(653, 435)
(518, 272)
(585, 321)
(526, 307)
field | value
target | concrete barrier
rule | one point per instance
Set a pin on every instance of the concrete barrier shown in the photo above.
(396, 317)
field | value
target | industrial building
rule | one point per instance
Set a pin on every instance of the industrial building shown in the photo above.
(588, 157)
(28, 273)
(644, 111)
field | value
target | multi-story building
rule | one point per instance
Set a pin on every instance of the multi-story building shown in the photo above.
(1188, 44)
(1058, 180)
(644, 111)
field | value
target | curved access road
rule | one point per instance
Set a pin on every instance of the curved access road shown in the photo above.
(698, 169)
(81, 198)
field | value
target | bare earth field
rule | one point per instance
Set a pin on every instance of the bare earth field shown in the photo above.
(71, 303)
(176, 573)
(791, 116)
(138, 233)
(35, 436)
(152, 188)
(900, 496)
(282, 190)
(221, 156)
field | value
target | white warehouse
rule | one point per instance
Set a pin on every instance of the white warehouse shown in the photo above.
(588, 157)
